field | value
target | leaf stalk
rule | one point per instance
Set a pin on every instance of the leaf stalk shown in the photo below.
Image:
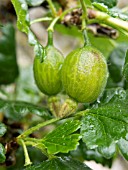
(27, 159)
(37, 127)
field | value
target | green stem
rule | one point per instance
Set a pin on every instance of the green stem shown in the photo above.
(41, 20)
(51, 30)
(37, 127)
(86, 38)
(52, 7)
(51, 27)
(61, 17)
(80, 114)
(84, 14)
(50, 37)
(27, 159)
(104, 18)
(66, 12)
(35, 140)
(84, 23)
(84, 8)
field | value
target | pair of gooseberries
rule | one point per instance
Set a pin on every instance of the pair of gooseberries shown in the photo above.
(83, 73)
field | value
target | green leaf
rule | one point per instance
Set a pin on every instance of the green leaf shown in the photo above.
(122, 38)
(112, 95)
(126, 94)
(61, 139)
(116, 12)
(2, 154)
(35, 154)
(125, 68)
(23, 24)
(109, 3)
(38, 48)
(2, 129)
(21, 9)
(100, 6)
(35, 2)
(116, 62)
(59, 163)
(104, 126)
(16, 110)
(123, 146)
(82, 153)
(88, 3)
(108, 152)
(8, 63)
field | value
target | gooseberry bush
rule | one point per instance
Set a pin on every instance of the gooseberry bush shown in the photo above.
(77, 107)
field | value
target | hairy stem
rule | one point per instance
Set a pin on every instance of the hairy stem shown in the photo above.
(86, 38)
(50, 38)
(84, 8)
(27, 159)
(52, 7)
(66, 12)
(37, 127)
(51, 27)
(80, 114)
(41, 20)
(104, 18)
(84, 23)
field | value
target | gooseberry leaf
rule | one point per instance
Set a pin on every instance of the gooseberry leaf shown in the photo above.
(108, 152)
(23, 24)
(59, 163)
(21, 9)
(38, 48)
(61, 139)
(104, 126)
(88, 3)
(82, 153)
(16, 110)
(2, 129)
(123, 146)
(109, 3)
(125, 68)
(100, 6)
(118, 13)
(2, 153)
(112, 95)
(8, 64)
(116, 62)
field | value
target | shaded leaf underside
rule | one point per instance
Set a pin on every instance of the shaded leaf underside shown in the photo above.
(18, 109)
